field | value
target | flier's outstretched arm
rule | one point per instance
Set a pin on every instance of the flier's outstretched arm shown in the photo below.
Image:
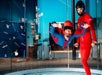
(85, 26)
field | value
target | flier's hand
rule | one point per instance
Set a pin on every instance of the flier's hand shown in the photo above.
(59, 25)
(76, 45)
(85, 26)
(54, 25)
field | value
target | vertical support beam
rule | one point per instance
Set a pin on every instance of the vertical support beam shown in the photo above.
(73, 20)
(25, 26)
(11, 39)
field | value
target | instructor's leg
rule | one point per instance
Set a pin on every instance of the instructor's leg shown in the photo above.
(85, 52)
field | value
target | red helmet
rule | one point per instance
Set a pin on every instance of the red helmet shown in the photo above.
(68, 23)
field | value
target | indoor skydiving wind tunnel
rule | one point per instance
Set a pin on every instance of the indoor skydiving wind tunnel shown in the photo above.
(26, 45)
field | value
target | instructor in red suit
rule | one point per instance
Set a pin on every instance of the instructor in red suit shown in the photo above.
(89, 39)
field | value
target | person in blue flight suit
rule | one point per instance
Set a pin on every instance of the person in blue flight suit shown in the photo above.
(65, 39)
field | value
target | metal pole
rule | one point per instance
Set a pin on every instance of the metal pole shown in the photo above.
(66, 9)
(98, 55)
(67, 18)
(68, 56)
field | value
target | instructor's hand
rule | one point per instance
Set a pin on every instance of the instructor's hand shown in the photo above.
(85, 26)
(93, 43)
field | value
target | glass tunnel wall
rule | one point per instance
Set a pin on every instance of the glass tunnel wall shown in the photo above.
(25, 42)
(17, 19)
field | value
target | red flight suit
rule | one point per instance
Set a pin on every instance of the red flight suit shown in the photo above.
(86, 40)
